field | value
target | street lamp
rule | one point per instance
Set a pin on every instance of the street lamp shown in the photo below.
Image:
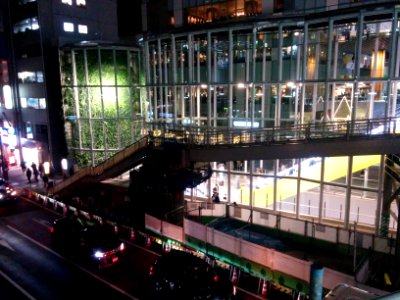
(46, 166)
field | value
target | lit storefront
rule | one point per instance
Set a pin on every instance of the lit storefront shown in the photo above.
(284, 72)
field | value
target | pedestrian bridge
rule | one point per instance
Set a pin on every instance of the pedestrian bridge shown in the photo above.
(327, 139)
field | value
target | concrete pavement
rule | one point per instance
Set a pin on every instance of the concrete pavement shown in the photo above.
(18, 179)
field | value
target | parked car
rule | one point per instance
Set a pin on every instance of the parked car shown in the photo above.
(8, 195)
(181, 275)
(91, 241)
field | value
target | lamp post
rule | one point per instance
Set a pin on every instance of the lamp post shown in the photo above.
(3, 165)
(46, 166)
(64, 167)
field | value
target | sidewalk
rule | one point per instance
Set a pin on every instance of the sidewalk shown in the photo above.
(19, 181)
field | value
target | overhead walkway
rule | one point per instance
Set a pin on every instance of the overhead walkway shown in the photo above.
(331, 139)
(112, 167)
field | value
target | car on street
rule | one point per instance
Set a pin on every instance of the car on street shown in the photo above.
(8, 195)
(182, 275)
(88, 240)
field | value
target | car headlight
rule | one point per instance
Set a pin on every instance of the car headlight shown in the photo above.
(99, 254)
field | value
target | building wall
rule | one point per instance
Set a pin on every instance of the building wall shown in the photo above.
(341, 67)
(39, 31)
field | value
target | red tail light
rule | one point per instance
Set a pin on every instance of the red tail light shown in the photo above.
(51, 229)
(216, 278)
(151, 270)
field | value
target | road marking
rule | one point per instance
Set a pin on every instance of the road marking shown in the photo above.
(73, 263)
(29, 296)
(43, 222)
(5, 244)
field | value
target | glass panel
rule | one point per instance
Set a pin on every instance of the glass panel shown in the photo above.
(371, 99)
(93, 67)
(98, 134)
(80, 67)
(363, 209)
(343, 101)
(153, 61)
(271, 92)
(288, 104)
(200, 59)
(222, 95)
(309, 198)
(204, 100)
(166, 62)
(107, 68)
(336, 169)
(85, 134)
(311, 168)
(292, 43)
(344, 48)
(182, 60)
(374, 62)
(112, 134)
(239, 101)
(334, 202)
(137, 77)
(263, 192)
(66, 67)
(243, 191)
(83, 103)
(179, 102)
(317, 51)
(242, 55)
(366, 171)
(314, 102)
(124, 102)
(286, 191)
(121, 61)
(95, 102)
(272, 50)
(220, 61)
(288, 167)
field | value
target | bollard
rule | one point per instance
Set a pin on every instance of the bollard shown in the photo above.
(234, 277)
(133, 236)
(316, 279)
(264, 289)
(148, 242)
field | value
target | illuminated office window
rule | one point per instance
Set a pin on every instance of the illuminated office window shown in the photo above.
(69, 2)
(82, 29)
(68, 27)
(81, 2)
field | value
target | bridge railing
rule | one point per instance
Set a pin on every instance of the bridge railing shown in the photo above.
(318, 130)
(198, 136)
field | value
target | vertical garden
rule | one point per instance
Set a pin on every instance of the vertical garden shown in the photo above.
(103, 98)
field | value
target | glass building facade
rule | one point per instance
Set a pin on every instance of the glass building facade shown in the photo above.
(103, 100)
(284, 72)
